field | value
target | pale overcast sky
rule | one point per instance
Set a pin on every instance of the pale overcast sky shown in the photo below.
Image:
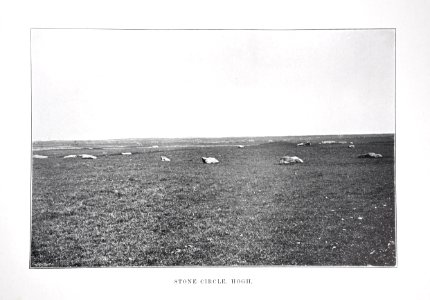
(101, 84)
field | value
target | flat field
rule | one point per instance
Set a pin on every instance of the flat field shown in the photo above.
(333, 210)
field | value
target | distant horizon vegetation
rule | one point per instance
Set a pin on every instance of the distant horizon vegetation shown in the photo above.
(216, 137)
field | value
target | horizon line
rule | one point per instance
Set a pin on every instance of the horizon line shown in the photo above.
(214, 137)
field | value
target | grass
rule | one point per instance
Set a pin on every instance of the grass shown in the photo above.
(334, 209)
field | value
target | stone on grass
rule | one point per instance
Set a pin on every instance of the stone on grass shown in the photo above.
(210, 160)
(87, 156)
(290, 160)
(370, 155)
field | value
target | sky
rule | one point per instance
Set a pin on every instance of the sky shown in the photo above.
(111, 84)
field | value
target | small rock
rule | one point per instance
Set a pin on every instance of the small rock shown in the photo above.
(370, 155)
(290, 160)
(87, 156)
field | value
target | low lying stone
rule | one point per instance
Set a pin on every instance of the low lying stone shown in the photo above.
(87, 156)
(210, 160)
(370, 155)
(290, 160)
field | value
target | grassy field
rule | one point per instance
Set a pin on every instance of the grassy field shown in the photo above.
(334, 209)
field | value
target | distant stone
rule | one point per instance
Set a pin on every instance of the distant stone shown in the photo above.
(210, 160)
(370, 155)
(304, 144)
(240, 146)
(70, 156)
(87, 156)
(333, 142)
(290, 160)
(40, 156)
(351, 146)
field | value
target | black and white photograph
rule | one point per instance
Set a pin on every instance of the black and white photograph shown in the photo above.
(213, 148)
